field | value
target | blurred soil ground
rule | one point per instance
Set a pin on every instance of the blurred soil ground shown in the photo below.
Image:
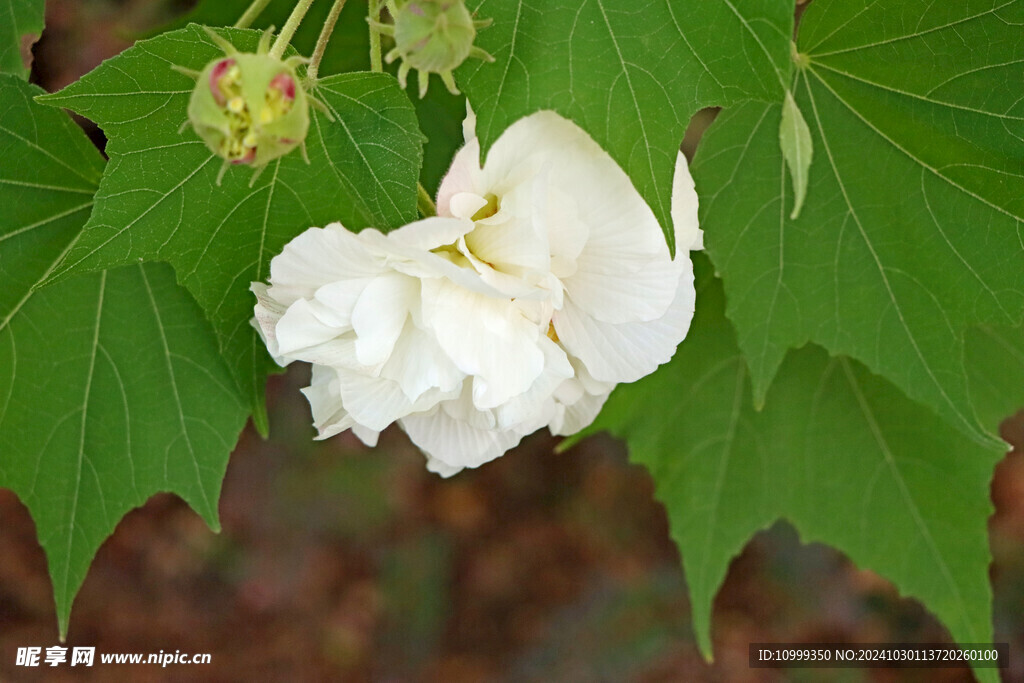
(337, 563)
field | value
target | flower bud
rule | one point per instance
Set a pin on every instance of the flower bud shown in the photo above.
(249, 108)
(433, 36)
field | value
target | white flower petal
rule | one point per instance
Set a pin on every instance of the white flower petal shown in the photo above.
(418, 364)
(366, 435)
(684, 208)
(424, 235)
(301, 328)
(608, 292)
(340, 298)
(485, 337)
(567, 234)
(626, 352)
(507, 286)
(380, 313)
(316, 257)
(324, 396)
(439, 467)
(376, 402)
(574, 416)
(584, 175)
(466, 204)
(419, 263)
(446, 434)
(267, 313)
(511, 243)
(339, 352)
(469, 123)
(617, 267)
(464, 175)
(529, 145)
(531, 410)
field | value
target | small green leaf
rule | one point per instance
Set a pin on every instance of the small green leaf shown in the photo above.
(21, 24)
(631, 73)
(838, 452)
(111, 385)
(911, 230)
(159, 199)
(797, 150)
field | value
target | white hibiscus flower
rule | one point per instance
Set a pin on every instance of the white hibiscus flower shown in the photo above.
(543, 282)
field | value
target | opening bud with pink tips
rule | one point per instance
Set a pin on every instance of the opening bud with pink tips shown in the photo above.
(249, 108)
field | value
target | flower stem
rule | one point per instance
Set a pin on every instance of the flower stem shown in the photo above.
(325, 36)
(257, 6)
(375, 61)
(424, 203)
(294, 19)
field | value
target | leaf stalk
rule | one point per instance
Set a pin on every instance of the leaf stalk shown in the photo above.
(376, 63)
(290, 26)
(424, 203)
(254, 10)
(323, 39)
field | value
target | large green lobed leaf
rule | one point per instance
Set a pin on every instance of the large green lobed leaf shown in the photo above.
(159, 200)
(911, 231)
(111, 385)
(837, 451)
(21, 24)
(630, 72)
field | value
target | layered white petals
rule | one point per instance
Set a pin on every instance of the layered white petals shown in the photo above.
(379, 315)
(487, 338)
(315, 258)
(419, 364)
(572, 417)
(301, 328)
(376, 402)
(454, 436)
(324, 396)
(543, 282)
(626, 352)
(528, 411)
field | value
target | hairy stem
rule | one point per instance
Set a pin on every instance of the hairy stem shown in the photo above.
(375, 61)
(325, 36)
(424, 203)
(257, 6)
(294, 19)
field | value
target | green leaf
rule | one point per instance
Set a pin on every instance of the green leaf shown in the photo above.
(797, 150)
(21, 24)
(837, 451)
(911, 231)
(995, 361)
(111, 385)
(159, 200)
(440, 114)
(630, 72)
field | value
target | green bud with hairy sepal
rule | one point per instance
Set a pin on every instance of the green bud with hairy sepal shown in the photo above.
(249, 108)
(432, 36)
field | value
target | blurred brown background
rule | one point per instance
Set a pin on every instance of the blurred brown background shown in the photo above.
(340, 563)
